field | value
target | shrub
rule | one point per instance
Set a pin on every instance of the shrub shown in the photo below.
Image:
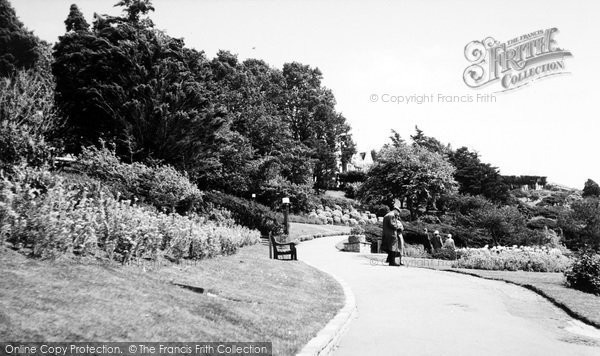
(533, 259)
(357, 230)
(381, 210)
(352, 177)
(19, 145)
(584, 274)
(445, 254)
(351, 189)
(247, 213)
(161, 186)
(27, 119)
(465, 204)
(581, 225)
(416, 251)
(41, 212)
(332, 202)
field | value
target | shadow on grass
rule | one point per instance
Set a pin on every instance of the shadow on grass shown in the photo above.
(243, 297)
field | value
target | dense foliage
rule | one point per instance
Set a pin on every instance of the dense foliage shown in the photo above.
(591, 189)
(533, 259)
(231, 125)
(161, 185)
(28, 121)
(247, 213)
(409, 173)
(19, 48)
(584, 274)
(43, 213)
(476, 177)
(581, 225)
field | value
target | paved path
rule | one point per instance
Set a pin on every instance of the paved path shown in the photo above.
(415, 311)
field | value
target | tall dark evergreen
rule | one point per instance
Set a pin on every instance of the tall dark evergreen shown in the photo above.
(429, 143)
(126, 82)
(232, 125)
(76, 21)
(18, 46)
(476, 177)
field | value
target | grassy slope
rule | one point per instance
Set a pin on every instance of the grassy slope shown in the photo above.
(247, 297)
(299, 229)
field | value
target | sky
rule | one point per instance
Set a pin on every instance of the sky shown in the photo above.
(371, 51)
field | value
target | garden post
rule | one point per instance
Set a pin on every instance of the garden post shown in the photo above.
(286, 212)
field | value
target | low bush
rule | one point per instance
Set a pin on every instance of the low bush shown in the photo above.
(373, 232)
(381, 210)
(445, 254)
(351, 189)
(334, 202)
(357, 230)
(161, 186)
(352, 177)
(533, 259)
(415, 251)
(247, 213)
(584, 273)
(42, 213)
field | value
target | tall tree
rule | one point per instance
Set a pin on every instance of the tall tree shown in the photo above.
(309, 110)
(476, 177)
(126, 82)
(397, 140)
(430, 143)
(76, 21)
(18, 46)
(409, 173)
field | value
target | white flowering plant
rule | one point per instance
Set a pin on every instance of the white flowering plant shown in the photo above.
(514, 258)
(57, 217)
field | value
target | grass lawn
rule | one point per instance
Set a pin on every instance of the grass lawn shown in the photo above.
(299, 229)
(582, 305)
(244, 297)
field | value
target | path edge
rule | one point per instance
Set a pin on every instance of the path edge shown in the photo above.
(328, 338)
(557, 303)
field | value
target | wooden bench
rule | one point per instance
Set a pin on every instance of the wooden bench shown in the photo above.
(283, 249)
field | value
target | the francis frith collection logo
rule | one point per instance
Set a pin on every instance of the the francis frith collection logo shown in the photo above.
(516, 62)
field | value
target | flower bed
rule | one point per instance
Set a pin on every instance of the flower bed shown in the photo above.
(41, 212)
(534, 259)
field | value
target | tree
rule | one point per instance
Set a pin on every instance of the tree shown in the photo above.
(232, 125)
(476, 177)
(76, 21)
(408, 172)
(430, 143)
(397, 140)
(591, 189)
(18, 46)
(581, 224)
(135, 8)
(309, 111)
(129, 83)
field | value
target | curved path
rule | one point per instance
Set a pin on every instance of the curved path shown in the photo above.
(415, 311)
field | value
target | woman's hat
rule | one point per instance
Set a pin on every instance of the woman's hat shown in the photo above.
(397, 205)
